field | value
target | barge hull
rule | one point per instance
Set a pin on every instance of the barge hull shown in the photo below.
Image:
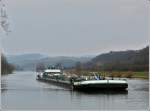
(86, 87)
(102, 87)
(57, 82)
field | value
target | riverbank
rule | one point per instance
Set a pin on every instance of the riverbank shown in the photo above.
(6, 67)
(118, 74)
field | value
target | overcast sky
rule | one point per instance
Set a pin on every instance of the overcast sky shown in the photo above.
(75, 27)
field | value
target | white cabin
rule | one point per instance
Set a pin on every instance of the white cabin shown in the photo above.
(52, 71)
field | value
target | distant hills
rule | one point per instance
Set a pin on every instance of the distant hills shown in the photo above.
(29, 61)
(137, 60)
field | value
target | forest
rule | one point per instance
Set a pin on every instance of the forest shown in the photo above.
(130, 60)
(6, 68)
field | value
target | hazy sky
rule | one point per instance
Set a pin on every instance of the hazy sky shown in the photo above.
(75, 27)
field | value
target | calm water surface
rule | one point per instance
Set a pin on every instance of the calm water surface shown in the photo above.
(22, 91)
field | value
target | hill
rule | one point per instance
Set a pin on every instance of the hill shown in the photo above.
(136, 60)
(29, 61)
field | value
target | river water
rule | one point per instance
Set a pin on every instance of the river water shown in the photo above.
(21, 90)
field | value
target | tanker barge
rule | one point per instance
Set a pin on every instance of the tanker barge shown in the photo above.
(57, 77)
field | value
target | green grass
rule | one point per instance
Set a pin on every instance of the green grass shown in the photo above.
(124, 74)
(144, 75)
(129, 74)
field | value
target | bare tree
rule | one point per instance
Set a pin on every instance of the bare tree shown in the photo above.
(4, 24)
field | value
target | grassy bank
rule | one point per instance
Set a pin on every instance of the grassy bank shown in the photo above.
(120, 74)
(128, 74)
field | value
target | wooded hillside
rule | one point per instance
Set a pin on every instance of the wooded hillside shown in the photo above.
(135, 60)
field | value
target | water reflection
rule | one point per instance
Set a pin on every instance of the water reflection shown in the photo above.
(3, 86)
(28, 93)
(106, 92)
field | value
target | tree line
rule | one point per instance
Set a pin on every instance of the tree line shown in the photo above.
(6, 68)
(131, 60)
